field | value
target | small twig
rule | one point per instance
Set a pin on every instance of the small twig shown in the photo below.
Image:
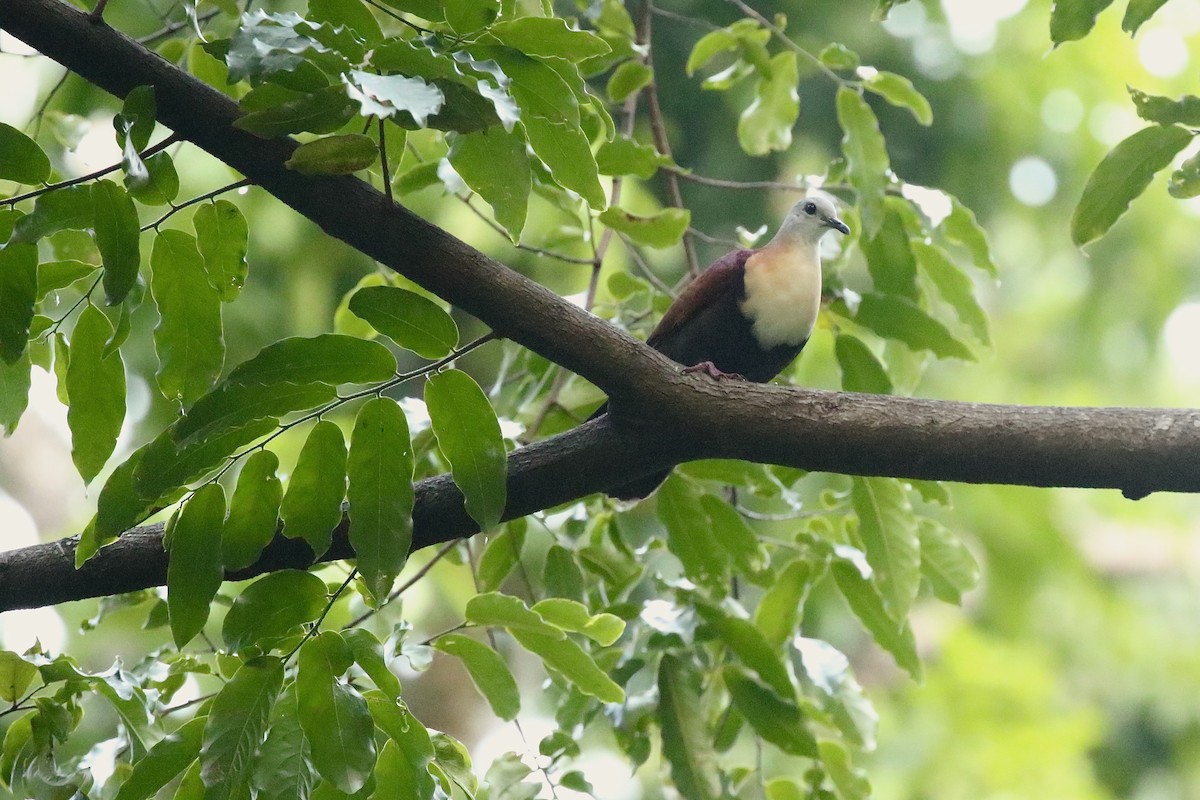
(206, 196)
(687, 20)
(174, 27)
(721, 183)
(316, 626)
(526, 247)
(442, 552)
(644, 268)
(383, 165)
(97, 13)
(193, 702)
(41, 109)
(787, 41)
(714, 240)
(388, 12)
(11, 201)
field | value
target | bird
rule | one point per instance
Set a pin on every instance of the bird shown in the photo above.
(749, 314)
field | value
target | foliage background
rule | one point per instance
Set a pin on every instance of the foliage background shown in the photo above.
(1074, 670)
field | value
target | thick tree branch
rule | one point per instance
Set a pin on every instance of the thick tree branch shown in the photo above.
(1135, 450)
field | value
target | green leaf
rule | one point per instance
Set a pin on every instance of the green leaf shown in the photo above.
(1138, 12)
(851, 782)
(334, 155)
(368, 654)
(18, 290)
(954, 286)
(96, 386)
(570, 661)
(14, 392)
(867, 604)
(159, 185)
(571, 615)
(686, 744)
(710, 45)
(1122, 176)
(468, 434)
(733, 534)
(334, 716)
(766, 124)
(775, 719)
(494, 164)
(15, 676)
(1185, 181)
(962, 227)
(899, 318)
(117, 235)
(413, 740)
(899, 91)
(253, 511)
(328, 358)
(135, 123)
(1073, 19)
(410, 320)
(237, 725)
(68, 208)
(624, 156)
(1165, 111)
(689, 534)
(168, 758)
(750, 646)
(627, 79)
(502, 553)
(946, 562)
(779, 610)
(548, 37)
(664, 229)
(188, 338)
(866, 156)
(838, 56)
(194, 571)
(354, 14)
(284, 46)
(222, 239)
(488, 672)
(468, 16)
(550, 116)
(888, 531)
(510, 613)
(53, 275)
(861, 370)
(380, 470)
(283, 767)
(384, 96)
(272, 609)
(889, 257)
(419, 177)
(561, 574)
(323, 111)
(21, 159)
(312, 506)
(232, 405)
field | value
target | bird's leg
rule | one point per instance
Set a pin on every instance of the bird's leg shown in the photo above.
(710, 369)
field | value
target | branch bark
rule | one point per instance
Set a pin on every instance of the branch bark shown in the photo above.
(659, 417)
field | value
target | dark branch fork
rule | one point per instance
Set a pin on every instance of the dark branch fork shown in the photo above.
(661, 417)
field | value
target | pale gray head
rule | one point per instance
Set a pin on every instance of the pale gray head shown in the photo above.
(810, 218)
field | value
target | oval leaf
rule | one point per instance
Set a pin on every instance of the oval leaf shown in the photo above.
(899, 318)
(468, 434)
(334, 716)
(408, 319)
(380, 470)
(312, 506)
(331, 358)
(334, 155)
(117, 237)
(253, 511)
(1122, 176)
(237, 725)
(18, 292)
(273, 608)
(685, 741)
(663, 229)
(488, 671)
(96, 386)
(221, 237)
(194, 571)
(21, 159)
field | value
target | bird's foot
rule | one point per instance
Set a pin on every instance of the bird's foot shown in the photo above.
(710, 369)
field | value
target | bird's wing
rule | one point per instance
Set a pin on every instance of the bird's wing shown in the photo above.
(725, 275)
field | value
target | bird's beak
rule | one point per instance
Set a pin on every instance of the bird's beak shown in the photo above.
(836, 224)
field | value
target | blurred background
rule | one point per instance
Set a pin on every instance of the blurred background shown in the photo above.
(1074, 670)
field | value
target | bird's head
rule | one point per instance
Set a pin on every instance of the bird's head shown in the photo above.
(810, 218)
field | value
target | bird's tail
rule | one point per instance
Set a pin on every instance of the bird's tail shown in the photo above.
(636, 489)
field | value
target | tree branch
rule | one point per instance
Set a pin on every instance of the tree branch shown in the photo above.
(1135, 450)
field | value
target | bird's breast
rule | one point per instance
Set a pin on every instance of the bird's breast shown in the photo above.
(783, 295)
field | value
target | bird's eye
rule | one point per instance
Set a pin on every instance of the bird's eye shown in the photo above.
(810, 208)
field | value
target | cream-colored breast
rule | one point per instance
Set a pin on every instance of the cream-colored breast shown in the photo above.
(783, 294)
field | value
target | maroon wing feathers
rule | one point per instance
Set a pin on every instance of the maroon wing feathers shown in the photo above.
(722, 277)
